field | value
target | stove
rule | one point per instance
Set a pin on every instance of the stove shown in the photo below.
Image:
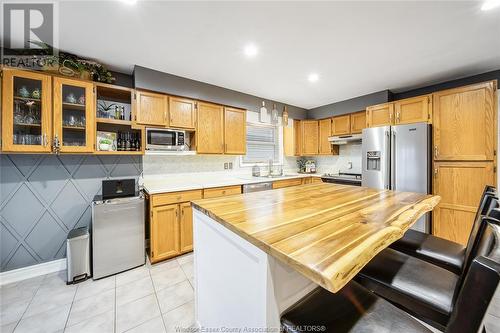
(342, 178)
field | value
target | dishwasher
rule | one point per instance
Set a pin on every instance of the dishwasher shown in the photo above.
(249, 188)
(118, 230)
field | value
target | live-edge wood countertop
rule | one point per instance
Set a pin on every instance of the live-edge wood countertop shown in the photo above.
(327, 232)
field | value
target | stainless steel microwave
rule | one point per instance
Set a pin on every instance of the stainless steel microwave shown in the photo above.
(165, 139)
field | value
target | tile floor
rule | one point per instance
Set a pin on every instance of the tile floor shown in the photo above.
(152, 298)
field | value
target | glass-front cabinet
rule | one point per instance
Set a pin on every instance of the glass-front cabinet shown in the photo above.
(73, 115)
(26, 112)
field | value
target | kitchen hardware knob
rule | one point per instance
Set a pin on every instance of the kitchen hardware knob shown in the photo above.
(179, 197)
(224, 192)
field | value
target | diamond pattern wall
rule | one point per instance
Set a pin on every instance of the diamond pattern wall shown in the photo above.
(43, 197)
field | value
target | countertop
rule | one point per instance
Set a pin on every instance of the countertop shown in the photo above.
(326, 231)
(184, 182)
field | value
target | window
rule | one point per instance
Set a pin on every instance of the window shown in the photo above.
(262, 144)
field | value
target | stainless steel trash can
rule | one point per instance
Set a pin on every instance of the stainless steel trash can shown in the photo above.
(78, 255)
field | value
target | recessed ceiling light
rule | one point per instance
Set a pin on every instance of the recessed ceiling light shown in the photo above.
(250, 50)
(490, 4)
(313, 77)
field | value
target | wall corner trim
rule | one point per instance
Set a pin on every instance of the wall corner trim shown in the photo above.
(28, 272)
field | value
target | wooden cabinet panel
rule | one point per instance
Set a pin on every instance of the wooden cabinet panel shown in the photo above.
(358, 122)
(221, 191)
(311, 180)
(289, 140)
(287, 183)
(297, 128)
(464, 122)
(341, 125)
(74, 115)
(413, 110)
(26, 121)
(209, 132)
(325, 130)
(175, 197)
(380, 115)
(164, 232)
(151, 109)
(186, 227)
(460, 185)
(310, 137)
(235, 131)
(182, 112)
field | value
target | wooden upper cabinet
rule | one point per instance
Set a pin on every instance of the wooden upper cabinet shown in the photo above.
(74, 115)
(297, 129)
(358, 122)
(380, 115)
(186, 227)
(460, 185)
(310, 137)
(341, 125)
(26, 112)
(210, 129)
(235, 131)
(165, 232)
(151, 109)
(182, 112)
(413, 110)
(325, 130)
(464, 122)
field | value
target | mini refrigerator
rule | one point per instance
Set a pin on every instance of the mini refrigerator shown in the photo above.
(118, 232)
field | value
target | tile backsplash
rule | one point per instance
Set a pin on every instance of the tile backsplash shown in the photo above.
(333, 164)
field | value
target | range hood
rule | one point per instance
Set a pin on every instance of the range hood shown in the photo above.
(345, 139)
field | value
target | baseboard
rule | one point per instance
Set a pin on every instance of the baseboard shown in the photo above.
(19, 274)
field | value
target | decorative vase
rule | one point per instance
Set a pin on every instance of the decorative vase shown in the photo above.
(36, 94)
(274, 115)
(23, 92)
(263, 112)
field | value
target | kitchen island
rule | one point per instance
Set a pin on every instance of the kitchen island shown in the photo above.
(257, 254)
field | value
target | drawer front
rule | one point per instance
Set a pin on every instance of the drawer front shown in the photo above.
(287, 183)
(221, 191)
(175, 197)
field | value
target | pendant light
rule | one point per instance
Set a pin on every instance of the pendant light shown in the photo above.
(263, 112)
(274, 115)
(285, 116)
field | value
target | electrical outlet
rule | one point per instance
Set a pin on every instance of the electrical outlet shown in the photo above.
(231, 165)
(225, 166)
(349, 165)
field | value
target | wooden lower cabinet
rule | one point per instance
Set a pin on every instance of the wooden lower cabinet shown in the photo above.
(164, 232)
(186, 227)
(221, 191)
(460, 185)
(287, 183)
(312, 180)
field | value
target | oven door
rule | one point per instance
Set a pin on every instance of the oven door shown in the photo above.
(161, 139)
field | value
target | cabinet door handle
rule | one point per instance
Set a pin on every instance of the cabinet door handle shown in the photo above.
(397, 117)
(436, 151)
(390, 117)
(45, 141)
(435, 172)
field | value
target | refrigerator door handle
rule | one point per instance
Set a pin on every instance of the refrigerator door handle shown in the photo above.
(393, 159)
(387, 160)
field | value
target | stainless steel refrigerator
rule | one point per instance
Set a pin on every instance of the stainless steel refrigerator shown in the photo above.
(398, 158)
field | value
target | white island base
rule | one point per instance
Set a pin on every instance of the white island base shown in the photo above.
(238, 287)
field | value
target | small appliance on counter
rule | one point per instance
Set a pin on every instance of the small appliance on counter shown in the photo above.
(118, 228)
(342, 178)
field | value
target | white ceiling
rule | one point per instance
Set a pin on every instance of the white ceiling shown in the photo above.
(356, 47)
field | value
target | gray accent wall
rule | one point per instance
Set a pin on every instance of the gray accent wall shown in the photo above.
(350, 105)
(43, 197)
(153, 80)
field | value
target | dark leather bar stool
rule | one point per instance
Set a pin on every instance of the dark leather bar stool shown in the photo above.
(444, 253)
(424, 290)
(355, 309)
